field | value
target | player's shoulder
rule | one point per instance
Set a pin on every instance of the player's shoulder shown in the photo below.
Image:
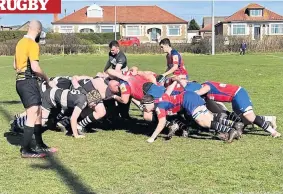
(174, 52)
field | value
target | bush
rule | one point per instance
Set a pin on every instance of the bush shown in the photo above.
(10, 35)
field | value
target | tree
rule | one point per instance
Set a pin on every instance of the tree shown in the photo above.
(193, 25)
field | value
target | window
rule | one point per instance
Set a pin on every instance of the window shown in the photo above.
(174, 30)
(256, 12)
(86, 30)
(239, 29)
(66, 29)
(133, 31)
(276, 29)
(106, 29)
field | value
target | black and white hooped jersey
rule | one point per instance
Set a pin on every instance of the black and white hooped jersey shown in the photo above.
(63, 82)
(56, 97)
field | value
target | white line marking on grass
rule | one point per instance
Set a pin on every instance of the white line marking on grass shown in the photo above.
(40, 60)
(275, 56)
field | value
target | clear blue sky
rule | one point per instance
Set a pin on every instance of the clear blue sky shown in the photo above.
(183, 9)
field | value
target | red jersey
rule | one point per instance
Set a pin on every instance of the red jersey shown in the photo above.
(169, 105)
(221, 92)
(133, 87)
(170, 62)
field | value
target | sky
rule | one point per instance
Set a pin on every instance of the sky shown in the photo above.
(186, 10)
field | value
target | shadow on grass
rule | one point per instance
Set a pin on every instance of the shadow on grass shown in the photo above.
(11, 102)
(68, 177)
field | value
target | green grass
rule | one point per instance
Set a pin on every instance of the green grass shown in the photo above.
(117, 161)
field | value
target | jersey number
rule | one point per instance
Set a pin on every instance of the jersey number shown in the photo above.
(73, 91)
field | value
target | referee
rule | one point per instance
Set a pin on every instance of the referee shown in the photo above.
(26, 64)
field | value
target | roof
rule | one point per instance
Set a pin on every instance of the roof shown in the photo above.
(207, 28)
(207, 25)
(242, 15)
(125, 14)
(207, 20)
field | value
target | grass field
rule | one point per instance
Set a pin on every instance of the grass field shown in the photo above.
(121, 161)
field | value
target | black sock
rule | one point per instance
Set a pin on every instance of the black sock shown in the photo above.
(261, 123)
(38, 130)
(219, 127)
(89, 119)
(28, 132)
(234, 117)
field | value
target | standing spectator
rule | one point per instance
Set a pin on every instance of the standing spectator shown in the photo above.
(243, 48)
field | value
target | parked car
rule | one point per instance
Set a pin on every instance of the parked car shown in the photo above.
(129, 41)
(196, 39)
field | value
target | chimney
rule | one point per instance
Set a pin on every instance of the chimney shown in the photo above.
(55, 17)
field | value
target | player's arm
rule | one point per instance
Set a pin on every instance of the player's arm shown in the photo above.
(34, 62)
(148, 76)
(74, 121)
(115, 74)
(107, 66)
(175, 66)
(205, 89)
(124, 98)
(182, 82)
(121, 60)
(170, 88)
(161, 113)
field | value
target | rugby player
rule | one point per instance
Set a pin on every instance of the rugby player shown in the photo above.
(241, 104)
(194, 105)
(26, 64)
(67, 99)
(89, 84)
(175, 63)
(117, 59)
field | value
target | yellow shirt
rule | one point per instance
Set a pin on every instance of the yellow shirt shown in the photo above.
(27, 50)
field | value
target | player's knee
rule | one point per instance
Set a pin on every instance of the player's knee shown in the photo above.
(33, 111)
(250, 115)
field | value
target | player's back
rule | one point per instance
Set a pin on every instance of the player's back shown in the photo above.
(172, 104)
(221, 92)
(25, 48)
(136, 84)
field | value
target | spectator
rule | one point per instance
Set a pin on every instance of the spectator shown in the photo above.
(243, 48)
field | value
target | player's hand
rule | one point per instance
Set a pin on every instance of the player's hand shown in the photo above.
(79, 136)
(175, 78)
(150, 140)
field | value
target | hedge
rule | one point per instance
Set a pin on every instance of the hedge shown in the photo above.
(92, 38)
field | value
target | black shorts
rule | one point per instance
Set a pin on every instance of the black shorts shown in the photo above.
(29, 92)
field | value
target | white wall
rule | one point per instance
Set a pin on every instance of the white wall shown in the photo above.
(72, 27)
(191, 35)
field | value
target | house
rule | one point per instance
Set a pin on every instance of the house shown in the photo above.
(253, 21)
(206, 30)
(23, 27)
(148, 23)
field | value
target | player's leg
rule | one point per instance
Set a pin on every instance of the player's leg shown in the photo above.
(29, 93)
(195, 106)
(41, 147)
(98, 113)
(206, 119)
(242, 104)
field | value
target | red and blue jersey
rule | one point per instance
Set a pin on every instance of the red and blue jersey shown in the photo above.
(221, 92)
(133, 87)
(180, 62)
(168, 105)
